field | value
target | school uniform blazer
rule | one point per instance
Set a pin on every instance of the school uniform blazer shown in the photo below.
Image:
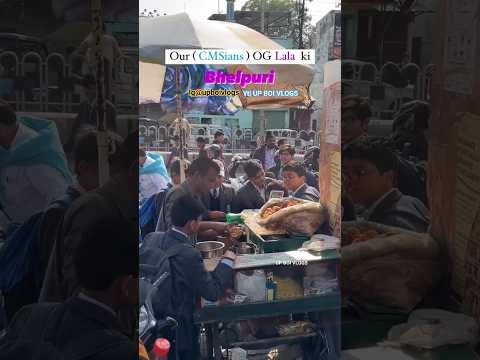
(248, 197)
(226, 197)
(191, 280)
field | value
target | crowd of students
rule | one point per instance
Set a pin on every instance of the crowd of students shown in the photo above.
(246, 184)
(195, 210)
(384, 178)
(69, 265)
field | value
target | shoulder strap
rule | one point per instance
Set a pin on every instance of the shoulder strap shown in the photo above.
(163, 216)
(175, 250)
(171, 252)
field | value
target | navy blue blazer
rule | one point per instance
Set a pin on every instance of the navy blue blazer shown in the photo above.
(189, 266)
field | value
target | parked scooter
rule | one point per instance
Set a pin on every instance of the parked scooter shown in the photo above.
(150, 328)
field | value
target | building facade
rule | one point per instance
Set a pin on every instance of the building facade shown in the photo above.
(327, 42)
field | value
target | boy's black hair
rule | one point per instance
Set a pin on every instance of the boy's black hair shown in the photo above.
(252, 167)
(107, 251)
(7, 114)
(374, 151)
(201, 140)
(175, 166)
(218, 133)
(296, 167)
(86, 149)
(286, 148)
(126, 154)
(201, 166)
(359, 105)
(186, 208)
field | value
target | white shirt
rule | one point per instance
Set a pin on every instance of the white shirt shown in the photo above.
(260, 191)
(180, 232)
(293, 193)
(150, 184)
(29, 189)
(98, 303)
(215, 192)
(269, 158)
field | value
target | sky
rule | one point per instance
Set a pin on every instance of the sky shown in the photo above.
(205, 8)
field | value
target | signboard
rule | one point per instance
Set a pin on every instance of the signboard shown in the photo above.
(337, 38)
(466, 277)
(461, 39)
(330, 143)
(466, 266)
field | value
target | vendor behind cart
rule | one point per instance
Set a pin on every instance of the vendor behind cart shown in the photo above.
(221, 197)
(202, 177)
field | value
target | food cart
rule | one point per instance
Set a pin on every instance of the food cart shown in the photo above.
(327, 305)
(305, 278)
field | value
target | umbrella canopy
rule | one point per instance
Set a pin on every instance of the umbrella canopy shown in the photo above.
(182, 31)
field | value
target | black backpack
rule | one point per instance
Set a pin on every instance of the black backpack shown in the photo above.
(155, 267)
(35, 331)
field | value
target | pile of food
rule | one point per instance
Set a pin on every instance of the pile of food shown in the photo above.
(295, 215)
(354, 235)
(386, 266)
(270, 210)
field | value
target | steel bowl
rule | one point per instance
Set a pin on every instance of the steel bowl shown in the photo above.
(211, 249)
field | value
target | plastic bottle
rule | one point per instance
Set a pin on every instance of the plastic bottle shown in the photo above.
(160, 349)
(233, 218)
(270, 288)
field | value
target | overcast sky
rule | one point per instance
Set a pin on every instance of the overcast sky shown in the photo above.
(205, 8)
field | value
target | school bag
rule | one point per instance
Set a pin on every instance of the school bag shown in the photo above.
(19, 256)
(155, 267)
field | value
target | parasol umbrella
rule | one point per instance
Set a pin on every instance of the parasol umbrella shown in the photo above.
(183, 31)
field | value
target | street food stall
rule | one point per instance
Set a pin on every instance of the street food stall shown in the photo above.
(278, 280)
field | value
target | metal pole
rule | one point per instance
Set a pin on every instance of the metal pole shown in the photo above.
(180, 120)
(263, 123)
(262, 16)
(102, 135)
(302, 18)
